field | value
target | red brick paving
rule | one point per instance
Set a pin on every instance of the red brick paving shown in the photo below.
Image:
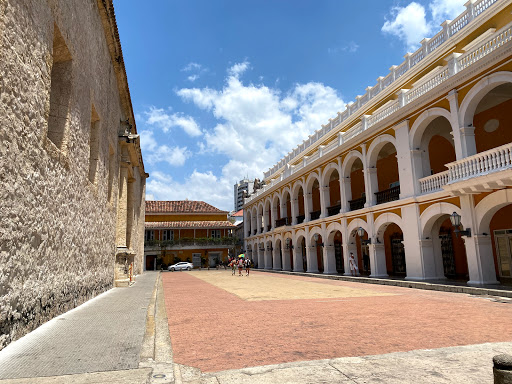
(214, 330)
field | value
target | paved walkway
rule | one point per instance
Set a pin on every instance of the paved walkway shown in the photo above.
(104, 334)
(218, 321)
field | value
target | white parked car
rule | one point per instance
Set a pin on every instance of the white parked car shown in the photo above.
(180, 266)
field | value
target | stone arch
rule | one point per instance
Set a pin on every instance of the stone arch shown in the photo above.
(356, 223)
(478, 91)
(316, 259)
(434, 212)
(327, 171)
(310, 181)
(382, 223)
(422, 122)
(300, 260)
(277, 252)
(348, 161)
(376, 146)
(485, 209)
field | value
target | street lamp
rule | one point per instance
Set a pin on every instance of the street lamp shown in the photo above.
(315, 237)
(289, 243)
(361, 232)
(455, 219)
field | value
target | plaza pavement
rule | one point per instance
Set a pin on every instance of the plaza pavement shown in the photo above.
(122, 336)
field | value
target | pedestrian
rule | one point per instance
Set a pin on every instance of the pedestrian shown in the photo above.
(366, 262)
(352, 264)
(233, 267)
(240, 266)
(247, 266)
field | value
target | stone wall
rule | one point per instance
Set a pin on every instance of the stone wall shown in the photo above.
(57, 227)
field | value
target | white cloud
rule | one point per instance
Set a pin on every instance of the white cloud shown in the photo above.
(411, 23)
(256, 126)
(446, 10)
(239, 68)
(197, 71)
(158, 117)
(350, 47)
(154, 153)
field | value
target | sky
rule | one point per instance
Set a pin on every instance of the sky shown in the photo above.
(223, 89)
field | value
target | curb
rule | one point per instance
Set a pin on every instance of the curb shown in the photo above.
(400, 283)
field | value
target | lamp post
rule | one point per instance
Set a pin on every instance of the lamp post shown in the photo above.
(361, 232)
(315, 237)
(289, 243)
(455, 219)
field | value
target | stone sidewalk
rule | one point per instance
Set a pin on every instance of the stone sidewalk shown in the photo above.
(104, 334)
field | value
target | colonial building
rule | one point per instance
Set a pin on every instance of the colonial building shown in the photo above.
(72, 180)
(186, 230)
(430, 142)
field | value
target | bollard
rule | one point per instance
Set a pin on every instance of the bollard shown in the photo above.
(502, 369)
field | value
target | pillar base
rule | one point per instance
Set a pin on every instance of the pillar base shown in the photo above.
(312, 271)
(381, 276)
(474, 283)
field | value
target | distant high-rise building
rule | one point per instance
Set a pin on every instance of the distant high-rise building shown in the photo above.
(240, 187)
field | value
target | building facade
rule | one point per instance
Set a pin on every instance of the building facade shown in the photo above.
(429, 143)
(239, 189)
(72, 180)
(186, 230)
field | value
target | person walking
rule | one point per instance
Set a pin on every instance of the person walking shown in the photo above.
(352, 264)
(240, 266)
(247, 267)
(233, 267)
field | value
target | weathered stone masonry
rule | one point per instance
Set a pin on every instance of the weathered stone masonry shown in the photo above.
(68, 150)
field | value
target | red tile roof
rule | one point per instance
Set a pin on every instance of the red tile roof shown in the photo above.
(188, 224)
(239, 213)
(180, 206)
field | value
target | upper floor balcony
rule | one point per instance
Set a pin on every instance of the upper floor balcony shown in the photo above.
(188, 243)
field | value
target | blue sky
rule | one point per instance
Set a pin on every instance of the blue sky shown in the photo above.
(222, 90)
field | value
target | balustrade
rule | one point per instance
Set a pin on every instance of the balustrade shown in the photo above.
(434, 183)
(388, 195)
(315, 215)
(300, 219)
(357, 203)
(334, 210)
(482, 163)
(282, 222)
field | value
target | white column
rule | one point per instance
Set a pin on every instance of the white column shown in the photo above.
(274, 216)
(311, 259)
(276, 254)
(268, 258)
(295, 210)
(366, 178)
(408, 179)
(417, 170)
(308, 205)
(283, 209)
(372, 186)
(478, 247)
(286, 259)
(467, 135)
(455, 122)
(346, 193)
(414, 261)
(258, 222)
(324, 200)
(297, 259)
(377, 260)
(329, 260)
(261, 258)
(430, 267)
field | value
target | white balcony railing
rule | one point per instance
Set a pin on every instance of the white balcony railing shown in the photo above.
(434, 183)
(483, 163)
(429, 82)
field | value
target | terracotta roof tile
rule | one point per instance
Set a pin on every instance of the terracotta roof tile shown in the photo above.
(180, 206)
(239, 213)
(188, 224)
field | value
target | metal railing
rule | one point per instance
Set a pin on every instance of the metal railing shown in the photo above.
(388, 195)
